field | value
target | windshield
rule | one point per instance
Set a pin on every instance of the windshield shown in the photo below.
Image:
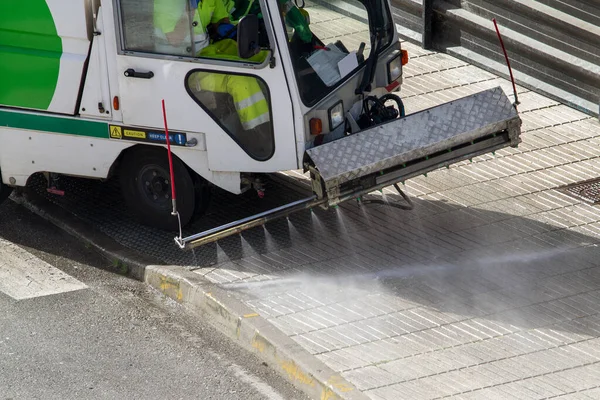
(329, 39)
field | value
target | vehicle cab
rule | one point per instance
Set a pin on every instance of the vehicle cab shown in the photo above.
(311, 74)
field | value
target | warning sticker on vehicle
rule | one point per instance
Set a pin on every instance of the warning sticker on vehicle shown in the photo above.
(116, 132)
(149, 136)
(128, 133)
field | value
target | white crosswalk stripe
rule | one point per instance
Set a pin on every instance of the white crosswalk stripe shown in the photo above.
(25, 276)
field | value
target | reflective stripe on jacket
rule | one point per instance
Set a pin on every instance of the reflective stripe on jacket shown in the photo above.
(250, 103)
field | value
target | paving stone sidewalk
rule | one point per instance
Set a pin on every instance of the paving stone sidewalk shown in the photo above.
(489, 288)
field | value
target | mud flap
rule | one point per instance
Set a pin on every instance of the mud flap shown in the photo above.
(411, 146)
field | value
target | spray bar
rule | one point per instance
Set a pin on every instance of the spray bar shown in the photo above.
(241, 225)
(232, 228)
(354, 192)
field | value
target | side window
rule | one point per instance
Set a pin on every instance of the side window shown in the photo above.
(188, 28)
(240, 104)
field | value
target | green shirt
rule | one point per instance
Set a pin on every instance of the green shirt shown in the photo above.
(240, 8)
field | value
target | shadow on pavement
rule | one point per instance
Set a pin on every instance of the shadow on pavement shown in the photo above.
(20, 226)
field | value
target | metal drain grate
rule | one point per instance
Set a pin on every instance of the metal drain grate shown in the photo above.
(588, 191)
(101, 205)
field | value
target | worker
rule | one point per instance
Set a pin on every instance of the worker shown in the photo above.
(209, 18)
(295, 18)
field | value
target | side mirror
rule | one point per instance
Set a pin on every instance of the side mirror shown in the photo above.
(247, 36)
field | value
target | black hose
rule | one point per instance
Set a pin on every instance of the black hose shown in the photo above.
(375, 111)
(395, 98)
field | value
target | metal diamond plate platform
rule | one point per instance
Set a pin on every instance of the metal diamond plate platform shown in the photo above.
(418, 135)
(588, 191)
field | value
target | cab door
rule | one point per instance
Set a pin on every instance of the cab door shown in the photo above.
(243, 108)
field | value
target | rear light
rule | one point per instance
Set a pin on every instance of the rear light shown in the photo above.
(404, 57)
(316, 126)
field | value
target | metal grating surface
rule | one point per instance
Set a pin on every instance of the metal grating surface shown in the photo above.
(101, 204)
(588, 191)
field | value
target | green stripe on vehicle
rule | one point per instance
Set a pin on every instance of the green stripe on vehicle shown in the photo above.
(36, 122)
(30, 52)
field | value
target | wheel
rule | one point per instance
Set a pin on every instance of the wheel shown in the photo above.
(5, 191)
(145, 184)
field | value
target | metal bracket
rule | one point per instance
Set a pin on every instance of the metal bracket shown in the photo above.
(333, 195)
(408, 206)
(514, 129)
(316, 182)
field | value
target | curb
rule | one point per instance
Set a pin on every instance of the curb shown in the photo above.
(229, 314)
(253, 332)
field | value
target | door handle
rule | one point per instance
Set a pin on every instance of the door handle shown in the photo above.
(132, 73)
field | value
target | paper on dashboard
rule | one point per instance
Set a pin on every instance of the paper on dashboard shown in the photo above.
(348, 64)
(326, 64)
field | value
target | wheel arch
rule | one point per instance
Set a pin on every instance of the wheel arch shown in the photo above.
(112, 171)
(195, 161)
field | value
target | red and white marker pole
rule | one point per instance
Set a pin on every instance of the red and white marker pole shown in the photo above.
(507, 63)
(171, 172)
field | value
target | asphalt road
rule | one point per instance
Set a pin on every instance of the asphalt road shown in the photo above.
(91, 333)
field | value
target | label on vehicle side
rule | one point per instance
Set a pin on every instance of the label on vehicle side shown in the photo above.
(115, 132)
(128, 133)
(148, 136)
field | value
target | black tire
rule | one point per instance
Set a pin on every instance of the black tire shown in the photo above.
(145, 184)
(5, 191)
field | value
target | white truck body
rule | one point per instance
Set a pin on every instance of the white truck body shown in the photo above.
(84, 122)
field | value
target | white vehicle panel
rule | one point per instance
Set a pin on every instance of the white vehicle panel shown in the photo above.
(70, 21)
(141, 104)
(96, 88)
(25, 152)
(107, 28)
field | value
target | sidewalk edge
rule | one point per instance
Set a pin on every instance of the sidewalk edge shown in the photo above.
(253, 332)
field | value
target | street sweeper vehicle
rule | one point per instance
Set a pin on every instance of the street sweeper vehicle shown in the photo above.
(175, 96)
